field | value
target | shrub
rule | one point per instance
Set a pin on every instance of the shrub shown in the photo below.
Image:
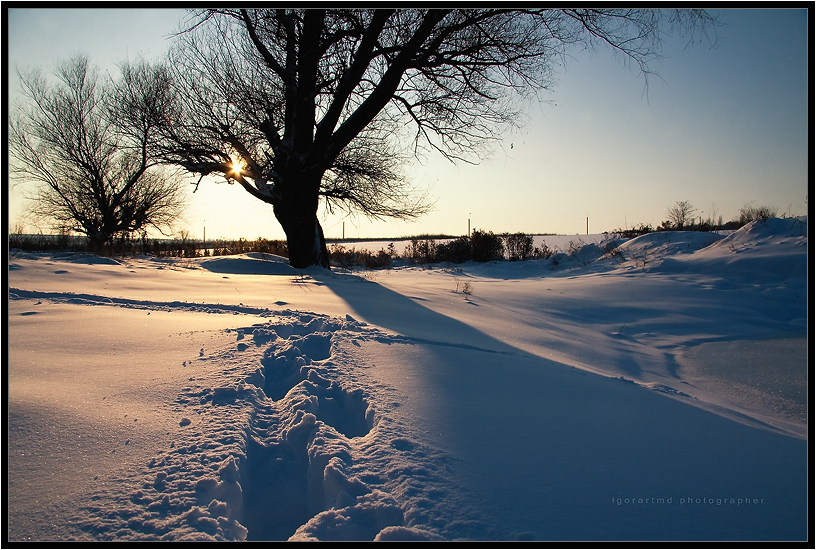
(456, 251)
(636, 231)
(612, 250)
(380, 259)
(485, 246)
(242, 246)
(749, 213)
(519, 246)
(339, 256)
(342, 257)
(543, 253)
(573, 247)
(463, 287)
(421, 251)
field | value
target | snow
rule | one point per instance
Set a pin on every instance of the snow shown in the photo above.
(649, 389)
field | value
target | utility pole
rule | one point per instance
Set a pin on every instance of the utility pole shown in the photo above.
(587, 225)
(468, 225)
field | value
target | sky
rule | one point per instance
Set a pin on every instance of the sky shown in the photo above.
(724, 123)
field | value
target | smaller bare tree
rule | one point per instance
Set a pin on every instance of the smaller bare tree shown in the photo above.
(681, 214)
(87, 144)
(715, 218)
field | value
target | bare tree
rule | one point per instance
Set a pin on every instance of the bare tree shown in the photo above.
(299, 105)
(681, 214)
(715, 219)
(88, 145)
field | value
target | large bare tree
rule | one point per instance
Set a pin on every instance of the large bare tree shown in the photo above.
(88, 144)
(295, 105)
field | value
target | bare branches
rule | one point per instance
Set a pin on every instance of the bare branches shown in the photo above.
(267, 56)
(368, 177)
(88, 145)
(323, 102)
(681, 214)
(637, 34)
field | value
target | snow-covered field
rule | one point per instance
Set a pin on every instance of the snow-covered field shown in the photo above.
(651, 389)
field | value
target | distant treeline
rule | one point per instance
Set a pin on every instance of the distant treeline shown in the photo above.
(440, 237)
(182, 247)
(479, 246)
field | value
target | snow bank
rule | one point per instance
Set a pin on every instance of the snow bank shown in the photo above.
(249, 264)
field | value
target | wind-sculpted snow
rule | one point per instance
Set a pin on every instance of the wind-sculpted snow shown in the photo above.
(650, 250)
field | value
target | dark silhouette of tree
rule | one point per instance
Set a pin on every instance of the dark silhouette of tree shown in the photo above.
(681, 214)
(299, 105)
(88, 144)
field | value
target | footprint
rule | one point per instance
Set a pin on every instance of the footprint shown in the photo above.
(283, 364)
(346, 412)
(282, 370)
(316, 346)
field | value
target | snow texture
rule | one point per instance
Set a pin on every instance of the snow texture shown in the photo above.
(644, 389)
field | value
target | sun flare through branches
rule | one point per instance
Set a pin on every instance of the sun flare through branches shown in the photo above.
(237, 168)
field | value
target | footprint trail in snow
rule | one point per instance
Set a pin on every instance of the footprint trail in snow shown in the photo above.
(280, 443)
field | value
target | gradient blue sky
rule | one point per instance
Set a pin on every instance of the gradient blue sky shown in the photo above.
(721, 126)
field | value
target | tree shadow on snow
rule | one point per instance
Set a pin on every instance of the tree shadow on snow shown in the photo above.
(546, 446)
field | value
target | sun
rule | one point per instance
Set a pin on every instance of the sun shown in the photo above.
(237, 166)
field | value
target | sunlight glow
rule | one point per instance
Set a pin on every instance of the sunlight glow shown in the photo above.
(237, 166)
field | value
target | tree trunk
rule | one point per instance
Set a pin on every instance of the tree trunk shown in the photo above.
(306, 243)
(296, 210)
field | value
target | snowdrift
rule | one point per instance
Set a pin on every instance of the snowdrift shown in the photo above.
(574, 398)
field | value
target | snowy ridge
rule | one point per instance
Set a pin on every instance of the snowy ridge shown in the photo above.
(759, 249)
